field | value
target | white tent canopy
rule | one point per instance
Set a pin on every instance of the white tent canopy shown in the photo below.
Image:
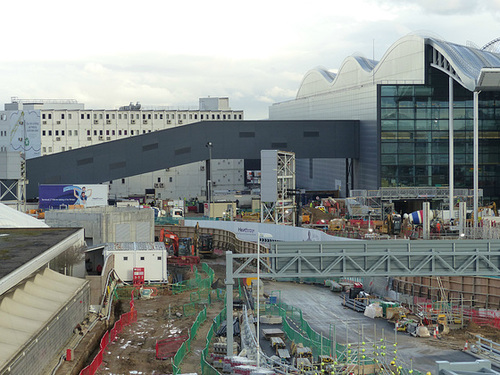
(11, 218)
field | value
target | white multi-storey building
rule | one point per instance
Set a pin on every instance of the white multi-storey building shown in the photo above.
(63, 125)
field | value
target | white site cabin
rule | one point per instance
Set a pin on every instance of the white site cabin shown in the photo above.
(152, 256)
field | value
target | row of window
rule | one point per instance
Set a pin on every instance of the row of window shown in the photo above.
(141, 258)
(149, 116)
(170, 179)
(89, 132)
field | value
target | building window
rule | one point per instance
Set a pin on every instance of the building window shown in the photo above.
(137, 116)
(142, 258)
(69, 116)
(119, 116)
(69, 133)
(161, 116)
(213, 116)
(158, 258)
(159, 179)
(44, 149)
(50, 132)
(62, 116)
(100, 116)
(218, 116)
(82, 116)
(112, 132)
(50, 149)
(95, 116)
(88, 132)
(76, 132)
(125, 258)
(107, 132)
(149, 116)
(107, 116)
(43, 116)
(125, 116)
(88, 116)
(111, 182)
(62, 132)
(123, 180)
(196, 116)
(100, 132)
(119, 132)
(201, 117)
(156, 116)
(113, 116)
(43, 132)
(125, 132)
(170, 179)
(95, 132)
(131, 132)
(57, 133)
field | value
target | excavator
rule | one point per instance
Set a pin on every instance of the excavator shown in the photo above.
(204, 243)
(181, 250)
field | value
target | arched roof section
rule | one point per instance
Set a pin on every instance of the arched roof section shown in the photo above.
(405, 61)
(463, 63)
(316, 81)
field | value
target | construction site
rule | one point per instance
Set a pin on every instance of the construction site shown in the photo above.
(181, 329)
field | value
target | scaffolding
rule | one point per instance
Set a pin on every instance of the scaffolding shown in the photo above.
(278, 187)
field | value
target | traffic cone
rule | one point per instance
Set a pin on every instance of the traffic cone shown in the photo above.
(436, 332)
(466, 346)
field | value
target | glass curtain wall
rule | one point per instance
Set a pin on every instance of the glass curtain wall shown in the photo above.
(414, 135)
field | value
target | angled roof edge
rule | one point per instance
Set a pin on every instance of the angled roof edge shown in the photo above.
(463, 63)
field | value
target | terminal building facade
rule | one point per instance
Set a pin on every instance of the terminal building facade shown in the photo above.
(43, 127)
(402, 102)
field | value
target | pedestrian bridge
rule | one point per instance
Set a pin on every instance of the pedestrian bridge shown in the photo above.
(373, 258)
(131, 156)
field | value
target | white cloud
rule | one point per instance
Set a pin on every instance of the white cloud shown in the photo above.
(108, 53)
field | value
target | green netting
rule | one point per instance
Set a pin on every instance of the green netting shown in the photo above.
(206, 368)
(186, 345)
(219, 294)
(298, 330)
(189, 309)
(194, 297)
(197, 282)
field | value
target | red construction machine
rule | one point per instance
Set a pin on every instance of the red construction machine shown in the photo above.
(181, 250)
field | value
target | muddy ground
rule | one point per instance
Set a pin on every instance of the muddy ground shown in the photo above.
(134, 351)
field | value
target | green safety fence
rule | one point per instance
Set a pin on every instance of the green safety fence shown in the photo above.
(298, 330)
(219, 294)
(206, 368)
(186, 345)
(197, 282)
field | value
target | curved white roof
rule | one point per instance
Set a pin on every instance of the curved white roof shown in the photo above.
(30, 307)
(404, 62)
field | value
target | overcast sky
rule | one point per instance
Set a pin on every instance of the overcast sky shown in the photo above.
(163, 53)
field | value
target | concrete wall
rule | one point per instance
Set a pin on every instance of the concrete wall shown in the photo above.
(107, 224)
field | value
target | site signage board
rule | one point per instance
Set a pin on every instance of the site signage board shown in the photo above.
(63, 196)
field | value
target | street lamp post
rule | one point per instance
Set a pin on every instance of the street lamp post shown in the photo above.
(259, 235)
